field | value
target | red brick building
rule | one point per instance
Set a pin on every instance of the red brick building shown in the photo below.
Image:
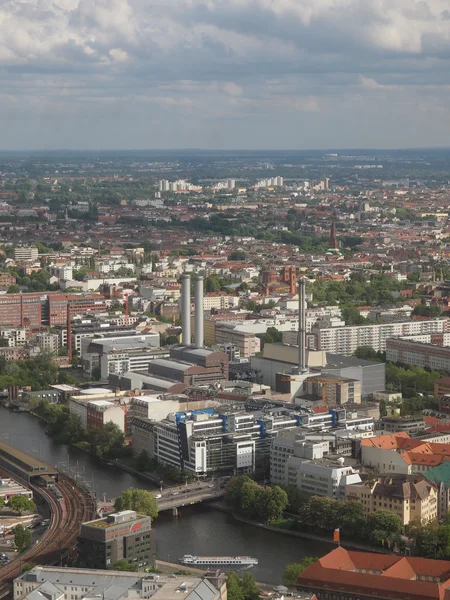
(347, 575)
(89, 303)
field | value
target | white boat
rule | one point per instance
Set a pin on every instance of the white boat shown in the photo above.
(218, 561)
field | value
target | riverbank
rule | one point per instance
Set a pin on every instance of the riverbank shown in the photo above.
(222, 507)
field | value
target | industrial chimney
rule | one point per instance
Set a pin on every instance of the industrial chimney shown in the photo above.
(186, 309)
(198, 299)
(302, 325)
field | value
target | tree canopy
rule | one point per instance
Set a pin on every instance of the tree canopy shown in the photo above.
(293, 570)
(142, 501)
(254, 501)
(20, 504)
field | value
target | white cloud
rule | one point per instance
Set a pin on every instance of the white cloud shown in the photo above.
(252, 61)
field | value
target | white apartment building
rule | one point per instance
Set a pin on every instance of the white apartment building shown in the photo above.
(289, 443)
(152, 407)
(48, 342)
(321, 477)
(219, 301)
(15, 337)
(345, 340)
(26, 253)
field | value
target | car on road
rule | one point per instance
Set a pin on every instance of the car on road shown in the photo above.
(157, 496)
(211, 485)
(175, 493)
(45, 523)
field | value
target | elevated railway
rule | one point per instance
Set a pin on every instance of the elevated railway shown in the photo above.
(59, 540)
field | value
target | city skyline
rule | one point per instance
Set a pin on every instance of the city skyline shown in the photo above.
(243, 74)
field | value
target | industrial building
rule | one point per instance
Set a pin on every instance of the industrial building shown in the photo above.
(279, 360)
(123, 535)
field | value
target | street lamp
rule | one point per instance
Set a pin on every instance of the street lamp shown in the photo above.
(161, 485)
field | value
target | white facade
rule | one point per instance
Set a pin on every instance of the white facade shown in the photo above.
(291, 443)
(26, 253)
(322, 477)
(385, 461)
(345, 340)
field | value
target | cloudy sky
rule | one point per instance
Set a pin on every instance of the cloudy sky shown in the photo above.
(257, 74)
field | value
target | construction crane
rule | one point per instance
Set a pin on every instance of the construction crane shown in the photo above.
(324, 381)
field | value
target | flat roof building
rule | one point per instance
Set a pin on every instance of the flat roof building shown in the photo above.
(123, 535)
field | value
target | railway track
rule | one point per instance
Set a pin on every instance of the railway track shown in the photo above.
(60, 538)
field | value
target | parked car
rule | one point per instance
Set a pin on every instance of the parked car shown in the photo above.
(157, 496)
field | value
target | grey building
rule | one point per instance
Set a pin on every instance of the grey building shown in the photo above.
(123, 535)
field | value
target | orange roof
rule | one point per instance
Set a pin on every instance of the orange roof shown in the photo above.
(378, 575)
(390, 441)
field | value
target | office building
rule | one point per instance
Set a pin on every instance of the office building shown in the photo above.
(411, 425)
(410, 498)
(62, 583)
(343, 575)
(26, 253)
(123, 535)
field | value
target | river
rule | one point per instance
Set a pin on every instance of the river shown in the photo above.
(198, 530)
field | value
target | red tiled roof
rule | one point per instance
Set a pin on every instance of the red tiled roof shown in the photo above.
(378, 575)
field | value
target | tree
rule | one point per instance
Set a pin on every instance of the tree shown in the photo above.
(143, 461)
(237, 255)
(142, 501)
(20, 504)
(13, 289)
(292, 571)
(107, 442)
(22, 538)
(249, 587)
(4, 342)
(2, 502)
(234, 590)
(382, 525)
(124, 565)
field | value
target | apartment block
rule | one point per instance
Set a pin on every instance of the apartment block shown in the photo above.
(345, 340)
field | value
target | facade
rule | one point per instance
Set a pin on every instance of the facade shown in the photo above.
(123, 535)
(292, 443)
(101, 412)
(10, 488)
(418, 353)
(334, 390)
(6, 279)
(26, 253)
(48, 342)
(62, 583)
(345, 340)
(344, 575)
(411, 499)
(398, 453)
(79, 304)
(411, 425)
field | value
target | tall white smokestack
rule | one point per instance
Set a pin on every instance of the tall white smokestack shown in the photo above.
(198, 299)
(186, 309)
(302, 324)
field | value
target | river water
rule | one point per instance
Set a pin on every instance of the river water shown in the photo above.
(199, 529)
